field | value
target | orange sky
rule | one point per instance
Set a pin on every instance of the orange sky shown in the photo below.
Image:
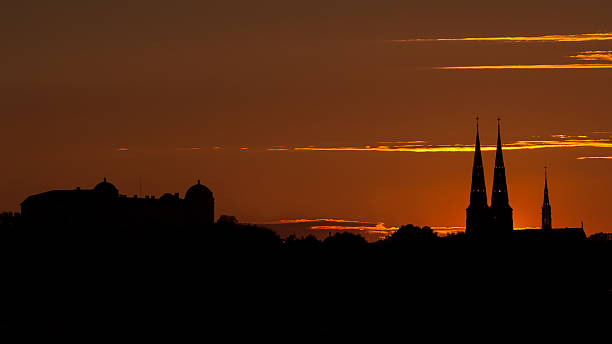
(312, 109)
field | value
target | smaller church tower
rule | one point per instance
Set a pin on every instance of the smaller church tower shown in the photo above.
(546, 216)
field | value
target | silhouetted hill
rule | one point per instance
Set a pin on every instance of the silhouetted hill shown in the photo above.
(230, 275)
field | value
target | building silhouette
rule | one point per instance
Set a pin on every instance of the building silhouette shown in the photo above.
(480, 217)
(546, 213)
(104, 206)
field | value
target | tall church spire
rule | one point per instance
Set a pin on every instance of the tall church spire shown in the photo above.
(501, 210)
(477, 211)
(546, 214)
(478, 191)
(499, 196)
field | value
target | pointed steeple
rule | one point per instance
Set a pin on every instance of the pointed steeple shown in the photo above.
(477, 213)
(478, 191)
(546, 213)
(546, 200)
(499, 195)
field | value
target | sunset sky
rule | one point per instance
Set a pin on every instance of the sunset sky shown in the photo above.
(352, 110)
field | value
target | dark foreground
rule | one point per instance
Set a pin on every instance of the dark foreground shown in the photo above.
(234, 280)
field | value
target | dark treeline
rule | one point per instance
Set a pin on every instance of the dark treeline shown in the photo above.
(230, 273)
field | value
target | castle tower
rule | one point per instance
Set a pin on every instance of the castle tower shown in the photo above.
(501, 212)
(546, 215)
(477, 211)
(201, 205)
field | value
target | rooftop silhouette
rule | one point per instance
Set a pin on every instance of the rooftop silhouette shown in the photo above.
(105, 206)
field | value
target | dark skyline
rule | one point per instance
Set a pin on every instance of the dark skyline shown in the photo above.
(300, 169)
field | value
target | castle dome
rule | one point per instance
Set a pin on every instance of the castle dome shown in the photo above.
(106, 188)
(198, 192)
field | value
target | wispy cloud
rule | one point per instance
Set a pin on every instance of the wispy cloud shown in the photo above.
(378, 229)
(564, 136)
(593, 55)
(372, 231)
(585, 37)
(317, 220)
(535, 66)
(278, 148)
(587, 56)
(593, 157)
(442, 231)
(556, 141)
(323, 227)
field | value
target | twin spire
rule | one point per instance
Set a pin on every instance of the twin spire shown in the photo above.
(478, 192)
(481, 217)
(496, 218)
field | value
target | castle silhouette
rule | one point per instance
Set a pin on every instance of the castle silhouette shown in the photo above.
(103, 205)
(485, 219)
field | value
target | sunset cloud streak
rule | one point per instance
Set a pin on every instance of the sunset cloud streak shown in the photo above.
(593, 157)
(379, 228)
(593, 55)
(315, 220)
(557, 141)
(590, 55)
(371, 230)
(536, 66)
(585, 37)
(323, 227)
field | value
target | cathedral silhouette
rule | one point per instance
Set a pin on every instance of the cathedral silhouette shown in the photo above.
(482, 218)
(485, 219)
